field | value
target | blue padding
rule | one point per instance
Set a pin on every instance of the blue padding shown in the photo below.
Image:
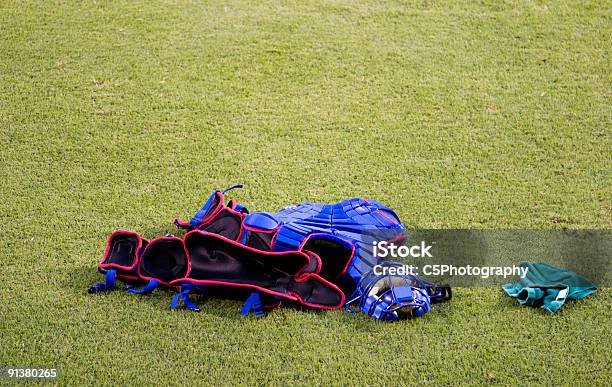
(253, 304)
(109, 284)
(403, 294)
(262, 221)
(197, 218)
(111, 279)
(147, 289)
(291, 236)
(423, 302)
(184, 296)
(368, 304)
(380, 313)
(241, 208)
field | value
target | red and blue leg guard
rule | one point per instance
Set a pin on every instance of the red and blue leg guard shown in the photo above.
(219, 262)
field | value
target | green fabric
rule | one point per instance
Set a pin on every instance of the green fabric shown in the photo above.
(547, 286)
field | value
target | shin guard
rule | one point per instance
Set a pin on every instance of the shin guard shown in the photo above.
(217, 261)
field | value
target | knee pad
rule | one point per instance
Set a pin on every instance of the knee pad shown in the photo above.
(260, 228)
(164, 260)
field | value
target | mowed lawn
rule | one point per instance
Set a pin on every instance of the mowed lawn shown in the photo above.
(458, 114)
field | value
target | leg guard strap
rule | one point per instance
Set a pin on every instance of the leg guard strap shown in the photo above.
(184, 296)
(109, 284)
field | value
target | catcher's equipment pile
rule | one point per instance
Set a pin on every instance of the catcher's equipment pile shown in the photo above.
(313, 255)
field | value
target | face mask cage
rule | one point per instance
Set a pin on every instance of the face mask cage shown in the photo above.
(393, 297)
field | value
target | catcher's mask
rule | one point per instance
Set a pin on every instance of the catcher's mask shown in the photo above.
(391, 297)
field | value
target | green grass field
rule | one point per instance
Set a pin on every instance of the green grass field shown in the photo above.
(458, 114)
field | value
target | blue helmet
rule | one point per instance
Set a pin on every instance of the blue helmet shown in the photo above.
(389, 297)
